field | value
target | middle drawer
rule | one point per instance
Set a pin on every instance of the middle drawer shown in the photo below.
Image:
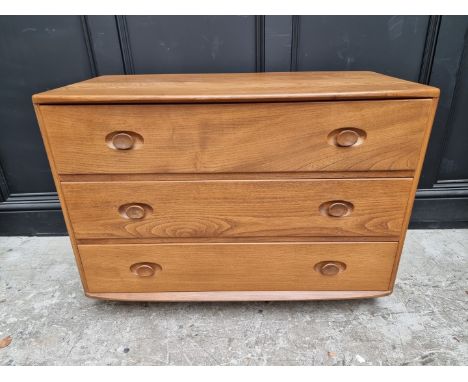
(237, 208)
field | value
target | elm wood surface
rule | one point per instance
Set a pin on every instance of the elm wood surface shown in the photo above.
(399, 162)
(330, 268)
(349, 137)
(58, 187)
(236, 87)
(241, 267)
(145, 269)
(239, 138)
(414, 187)
(336, 208)
(238, 208)
(256, 239)
(124, 140)
(236, 176)
(239, 296)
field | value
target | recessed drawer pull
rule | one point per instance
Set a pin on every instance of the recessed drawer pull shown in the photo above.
(145, 269)
(330, 268)
(124, 140)
(135, 211)
(336, 208)
(347, 137)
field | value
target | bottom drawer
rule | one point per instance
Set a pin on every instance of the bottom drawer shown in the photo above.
(238, 267)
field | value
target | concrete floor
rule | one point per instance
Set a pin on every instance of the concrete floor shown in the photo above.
(51, 323)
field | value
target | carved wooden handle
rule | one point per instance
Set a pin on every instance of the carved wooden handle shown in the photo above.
(347, 137)
(336, 208)
(145, 269)
(135, 211)
(124, 140)
(330, 268)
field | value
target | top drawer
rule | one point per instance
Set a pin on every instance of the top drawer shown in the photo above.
(236, 138)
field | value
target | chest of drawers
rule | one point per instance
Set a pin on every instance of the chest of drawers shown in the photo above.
(260, 186)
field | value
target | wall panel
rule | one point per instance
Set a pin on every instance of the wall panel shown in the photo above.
(43, 52)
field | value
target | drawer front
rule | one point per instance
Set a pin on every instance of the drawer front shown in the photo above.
(228, 267)
(240, 138)
(266, 208)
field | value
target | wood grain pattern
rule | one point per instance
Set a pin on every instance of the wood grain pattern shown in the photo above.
(236, 87)
(237, 176)
(256, 239)
(240, 267)
(267, 137)
(58, 187)
(237, 208)
(219, 200)
(414, 187)
(239, 296)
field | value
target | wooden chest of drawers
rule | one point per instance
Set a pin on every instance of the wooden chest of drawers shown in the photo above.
(262, 186)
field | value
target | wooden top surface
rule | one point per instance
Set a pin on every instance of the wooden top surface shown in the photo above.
(236, 87)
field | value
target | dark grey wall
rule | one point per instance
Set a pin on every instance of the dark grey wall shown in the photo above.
(42, 52)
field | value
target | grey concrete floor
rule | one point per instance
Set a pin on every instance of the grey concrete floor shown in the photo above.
(50, 321)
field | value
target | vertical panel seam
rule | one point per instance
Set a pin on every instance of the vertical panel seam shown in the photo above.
(4, 190)
(260, 43)
(430, 44)
(295, 24)
(89, 46)
(124, 42)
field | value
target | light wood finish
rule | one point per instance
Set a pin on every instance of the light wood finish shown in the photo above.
(236, 87)
(237, 187)
(135, 211)
(336, 208)
(242, 267)
(145, 269)
(330, 268)
(256, 239)
(123, 140)
(349, 137)
(60, 195)
(414, 187)
(237, 176)
(239, 296)
(262, 137)
(238, 208)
